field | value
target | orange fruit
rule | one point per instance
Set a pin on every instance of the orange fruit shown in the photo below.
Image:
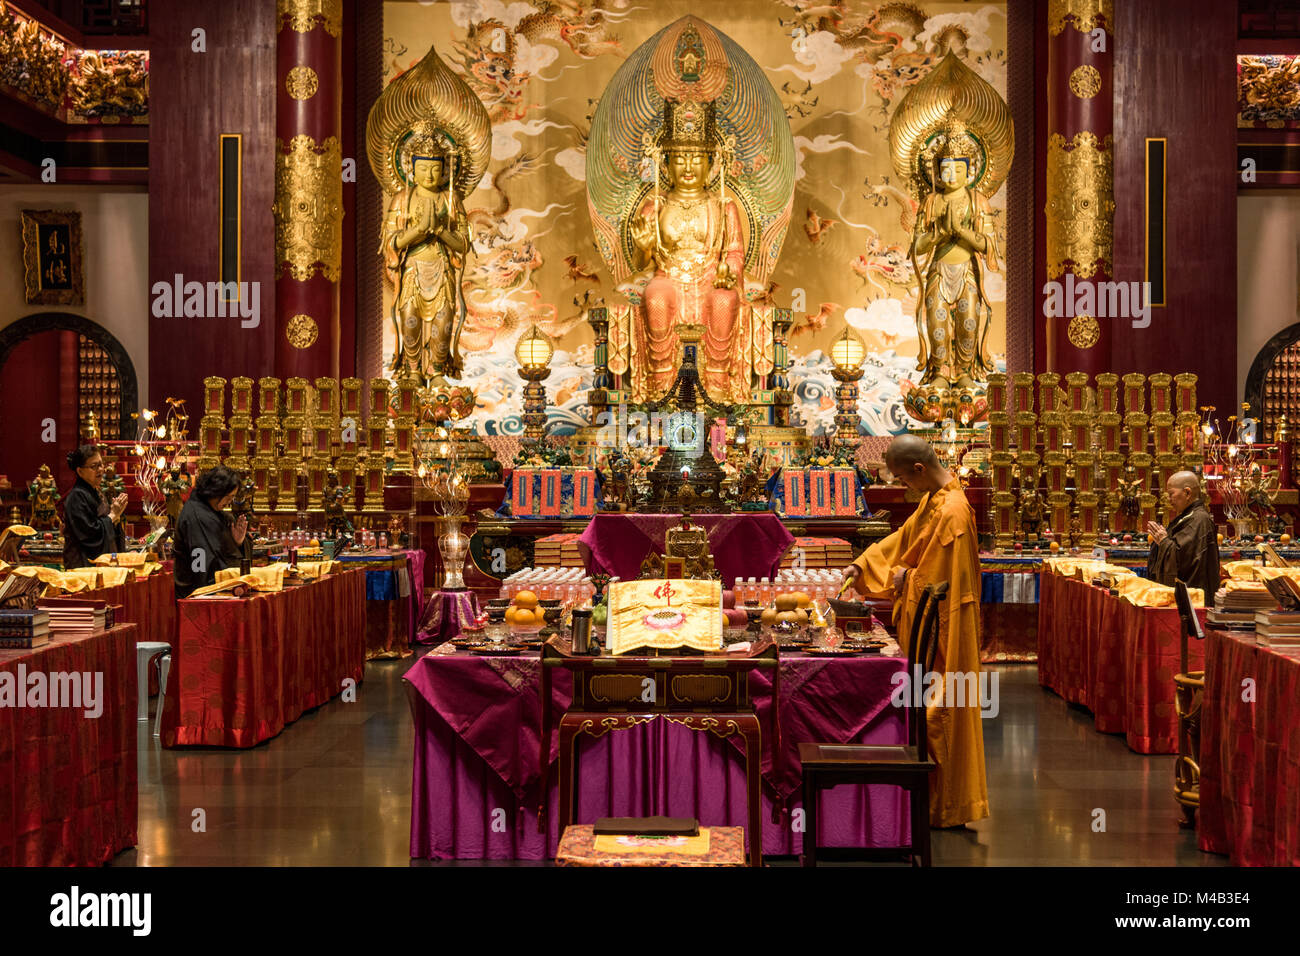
(801, 616)
(524, 617)
(786, 602)
(510, 614)
(768, 616)
(803, 599)
(526, 599)
(784, 616)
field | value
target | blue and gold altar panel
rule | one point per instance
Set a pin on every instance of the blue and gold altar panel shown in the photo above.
(551, 493)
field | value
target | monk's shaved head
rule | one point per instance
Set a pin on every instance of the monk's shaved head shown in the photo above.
(1187, 481)
(908, 450)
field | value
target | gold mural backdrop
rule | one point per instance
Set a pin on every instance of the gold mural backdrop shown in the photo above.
(840, 69)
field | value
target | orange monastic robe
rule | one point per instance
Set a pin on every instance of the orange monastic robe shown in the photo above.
(939, 543)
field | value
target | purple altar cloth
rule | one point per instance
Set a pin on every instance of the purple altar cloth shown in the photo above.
(617, 543)
(475, 785)
(446, 615)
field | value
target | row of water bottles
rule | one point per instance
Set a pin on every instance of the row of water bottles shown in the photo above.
(570, 585)
(820, 584)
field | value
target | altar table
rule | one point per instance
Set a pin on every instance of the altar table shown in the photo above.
(394, 600)
(1115, 658)
(68, 783)
(743, 544)
(150, 603)
(1250, 752)
(244, 668)
(476, 779)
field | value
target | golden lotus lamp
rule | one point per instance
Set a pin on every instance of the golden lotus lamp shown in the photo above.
(848, 352)
(534, 351)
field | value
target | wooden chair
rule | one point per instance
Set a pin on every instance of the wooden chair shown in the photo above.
(1189, 689)
(908, 765)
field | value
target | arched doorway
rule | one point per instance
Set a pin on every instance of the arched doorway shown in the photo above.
(58, 366)
(1273, 383)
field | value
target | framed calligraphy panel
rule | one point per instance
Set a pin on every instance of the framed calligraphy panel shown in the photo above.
(52, 257)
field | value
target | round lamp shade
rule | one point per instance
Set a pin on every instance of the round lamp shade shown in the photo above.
(848, 351)
(534, 349)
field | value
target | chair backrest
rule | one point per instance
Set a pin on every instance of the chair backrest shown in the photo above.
(921, 651)
(1191, 623)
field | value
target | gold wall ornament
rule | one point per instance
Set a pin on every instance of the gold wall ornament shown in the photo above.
(1083, 332)
(301, 331)
(52, 258)
(302, 82)
(110, 85)
(1086, 14)
(1080, 204)
(302, 15)
(1085, 82)
(309, 208)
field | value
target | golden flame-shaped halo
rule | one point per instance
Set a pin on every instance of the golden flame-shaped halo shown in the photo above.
(428, 100)
(952, 92)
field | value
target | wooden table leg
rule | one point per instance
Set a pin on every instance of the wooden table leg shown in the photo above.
(753, 788)
(567, 745)
(809, 817)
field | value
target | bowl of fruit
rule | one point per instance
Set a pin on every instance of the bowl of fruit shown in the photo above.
(524, 616)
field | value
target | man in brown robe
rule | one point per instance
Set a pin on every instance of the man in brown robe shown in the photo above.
(1188, 550)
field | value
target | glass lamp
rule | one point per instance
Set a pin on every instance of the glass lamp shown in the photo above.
(848, 352)
(534, 351)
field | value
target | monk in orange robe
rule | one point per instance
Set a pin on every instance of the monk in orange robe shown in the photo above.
(937, 543)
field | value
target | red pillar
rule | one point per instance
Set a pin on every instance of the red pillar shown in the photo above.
(308, 187)
(1080, 201)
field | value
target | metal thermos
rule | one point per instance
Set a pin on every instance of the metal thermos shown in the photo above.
(581, 630)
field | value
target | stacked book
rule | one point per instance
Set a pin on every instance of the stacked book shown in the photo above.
(77, 617)
(818, 553)
(557, 551)
(1277, 628)
(1236, 604)
(24, 628)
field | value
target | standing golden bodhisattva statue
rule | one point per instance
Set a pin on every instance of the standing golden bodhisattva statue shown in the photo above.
(426, 237)
(954, 227)
(952, 140)
(429, 140)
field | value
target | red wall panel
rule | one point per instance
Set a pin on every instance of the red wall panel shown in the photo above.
(1175, 77)
(195, 98)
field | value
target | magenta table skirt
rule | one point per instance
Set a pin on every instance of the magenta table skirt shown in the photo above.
(462, 807)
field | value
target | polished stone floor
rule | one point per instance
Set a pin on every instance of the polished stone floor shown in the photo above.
(334, 789)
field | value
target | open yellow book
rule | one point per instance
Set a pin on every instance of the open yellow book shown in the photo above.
(268, 578)
(665, 614)
(1146, 593)
(125, 559)
(226, 584)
